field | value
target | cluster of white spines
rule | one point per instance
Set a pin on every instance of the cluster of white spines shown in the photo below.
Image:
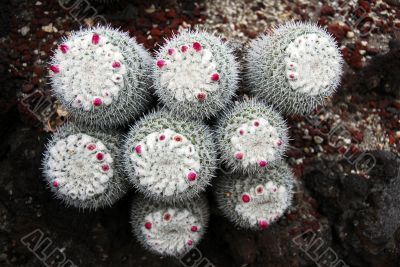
(168, 158)
(80, 169)
(169, 230)
(162, 158)
(252, 136)
(195, 75)
(295, 67)
(256, 200)
(100, 75)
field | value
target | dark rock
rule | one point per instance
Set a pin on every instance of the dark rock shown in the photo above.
(364, 213)
(327, 10)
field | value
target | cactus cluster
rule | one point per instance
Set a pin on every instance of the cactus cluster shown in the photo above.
(101, 76)
(195, 74)
(251, 136)
(255, 201)
(168, 158)
(81, 167)
(295, 67)
(169, 230)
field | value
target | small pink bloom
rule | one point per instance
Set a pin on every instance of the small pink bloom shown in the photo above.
(162, 137)
(95, 39)
(105, 167)
(56, 184)
(100, 156)
(64, 48)
(215, 77)
(197, 46)
(148, 225)
(161, 63)
(171, 51)
(239, 155)
(246, 198)
(201, 96)
(91, 147)
(116, 64)
(178, 138)
(184, 48)
(138, 149)
(194, 229)
(55, 69)
(97, 102)
(262, 163)
(190, 242)
(263, 224)
(192, 175)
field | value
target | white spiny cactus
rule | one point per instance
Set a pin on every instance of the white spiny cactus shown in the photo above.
(295, 67)
(251, 136)
(195, 74)
(168, 158)
(255, 201)
(101, 76)
(81, 168)
(169, 230)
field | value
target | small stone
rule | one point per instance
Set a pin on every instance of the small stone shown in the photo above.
(318, 139)
(24, 30)
(350, 35)
(48, 28)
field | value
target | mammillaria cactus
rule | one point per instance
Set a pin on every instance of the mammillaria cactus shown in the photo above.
(295, 67)
(168, 158)
(256, 200)
(81, 168)
(101, 76)
(195, 74)
(169, 230)
(251, 136)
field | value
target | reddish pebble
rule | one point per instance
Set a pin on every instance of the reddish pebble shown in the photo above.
(91, 147)
(184, 48)
(100, 156)
(95, 39)
(116, 64)
(171, 51)
(201, 96)
(55, 184)
(148, 225)
(262, 163)
(215, 77)
(105, 167)
(161, 63)
(55, 69)
(192, 176)
(64, 48)
(263, 224)
(97, 102)
(138, 149)
(246, 198)
(239, 155)
(197, 46)
(194, 229)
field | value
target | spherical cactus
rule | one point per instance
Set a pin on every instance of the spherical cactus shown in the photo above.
(101, 76)
(255, 201)
(251, 136)
(295, 67)
(81, 168)
(169, 230)
(195, 74)
(168, 158)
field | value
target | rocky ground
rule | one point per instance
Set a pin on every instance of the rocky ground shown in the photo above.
(345, 155)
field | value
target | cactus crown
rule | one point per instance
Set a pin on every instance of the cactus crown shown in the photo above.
(80, 168)
(169, 158)
(99, 74)
(169, 230)
(251, 136)
(256, 200)
(295, 67)
(195, 74)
